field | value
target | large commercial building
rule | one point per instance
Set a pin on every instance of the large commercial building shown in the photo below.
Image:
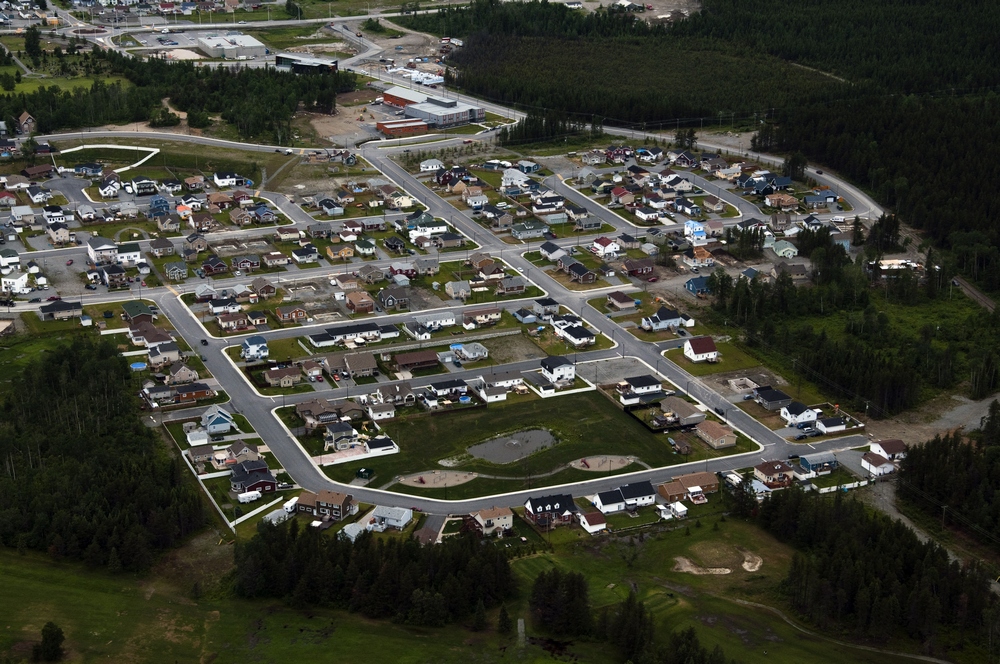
(437, 112)
(232, 47)
(304, 64)
(402, 127)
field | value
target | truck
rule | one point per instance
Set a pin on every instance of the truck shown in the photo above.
(249, 496)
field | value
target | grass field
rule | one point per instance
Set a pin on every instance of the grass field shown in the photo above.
(585, 424)
(731, 358)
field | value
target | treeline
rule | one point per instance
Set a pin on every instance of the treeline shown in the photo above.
(82, 477)
(865, 572)
(259, 103)
(390, 579)
(539, 55)
(539, 127)
(560, 604)
(957, 477)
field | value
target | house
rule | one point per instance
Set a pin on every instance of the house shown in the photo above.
(283, 377)
(893, 449)
(638, 494)
(217, 420)
(557, 368)
(663, 319)
(545, 307)
(698, 257)
(797, 413)
(394, 297)
(58, 233)
(619, 301)
(384, 518)
(291, 314)
(360, 302)
(592, 522)
(716, 435)
(229, 179)
(307, 254)
(416, 360)
(609, 502)
(164, 354)
(263, 288)
(381, 411)
(493, 520)
(528, 230)
(830, 424)
(701, 349)
(820, 463)
(431, 166)
(326, 505)
(773, 474)
(274, 259)
(680, 412)
(646, 384)
(550, 511)
(785, 249)
(876, 464)
(101, 250)
(605, 247)
(175, 271)
(580, 273)
(252, 476)
(254, 348)
(637, 267)
(339, 436)
(770, 398)
(697, 285)
(796, 271)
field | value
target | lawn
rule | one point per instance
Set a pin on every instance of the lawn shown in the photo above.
(585, 424)
(731, 358)
(553, 345)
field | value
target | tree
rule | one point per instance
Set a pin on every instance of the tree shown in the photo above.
(504, 623)
(479, 617)
(795, 166)
(744, 500)
(50, 649)
(33, 42)
(857, 232)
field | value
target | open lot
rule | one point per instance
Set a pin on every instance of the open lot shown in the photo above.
(583, 425)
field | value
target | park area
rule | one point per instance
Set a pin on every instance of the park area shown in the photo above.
(523, 443)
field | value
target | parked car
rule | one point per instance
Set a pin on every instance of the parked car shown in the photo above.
(204, 342)
(50, 298)
(803, 425)
(69, 262)
(319, 379)
(653, 280)
(35, 299)
(90, 287)
(801, 436)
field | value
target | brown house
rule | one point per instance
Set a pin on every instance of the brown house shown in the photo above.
(717, 436)
(360, 302)
(327, 505)
(283, 377)
(291, 314)
(421, 359)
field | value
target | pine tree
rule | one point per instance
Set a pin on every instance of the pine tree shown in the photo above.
(479, 618)
(504, 623)
(114, 563)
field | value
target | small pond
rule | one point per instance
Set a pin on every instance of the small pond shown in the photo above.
(513, 447)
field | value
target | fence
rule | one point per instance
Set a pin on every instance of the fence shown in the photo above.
(845, 487)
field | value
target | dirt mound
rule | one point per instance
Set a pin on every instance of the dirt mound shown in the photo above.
(751, 561)
(686, 566)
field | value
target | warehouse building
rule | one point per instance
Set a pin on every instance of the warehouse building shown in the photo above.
(437, 112)
(304, 64)
(402, 127)
(232, 47)
(402, 97)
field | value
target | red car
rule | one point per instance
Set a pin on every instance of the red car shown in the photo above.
(319, 379)
(653, 280)
(69, 262)
(53, 297)
(143, 284)
(336, 377)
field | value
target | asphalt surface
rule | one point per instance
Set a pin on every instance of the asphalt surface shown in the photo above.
(258, 409)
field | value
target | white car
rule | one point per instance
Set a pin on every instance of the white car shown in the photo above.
(237, 273)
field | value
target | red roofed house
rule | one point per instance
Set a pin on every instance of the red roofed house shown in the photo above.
(774, 474)
(893, 449)
(876, 464)
(605, 247)
(622, 196)
(701, 349)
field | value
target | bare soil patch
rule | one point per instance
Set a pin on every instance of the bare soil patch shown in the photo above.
(751, 561)
(686, 566)
(437, 478)
(602, 463)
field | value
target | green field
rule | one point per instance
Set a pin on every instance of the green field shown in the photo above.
(289, 36)
(731, 358)
(585, 424)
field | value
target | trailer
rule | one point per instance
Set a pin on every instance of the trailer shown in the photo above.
(249, 496)
(290, 505)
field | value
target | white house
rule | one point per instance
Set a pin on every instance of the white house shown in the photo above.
(893, 449)
(610, 502)
(606, 247)
(797, 413)
(701, 349)
(216, 420)
(831, 424)
(15, 283)
(638, 494)
(101, 250)
(431, 165)
(494, 519)
(390, 517)
(557, 368)
(381, 411)
(129, 254)
(254, 348)
(513, 178)
(785, 249)
(228, 180)
(593, 522)
(876, 464)
(646, 384)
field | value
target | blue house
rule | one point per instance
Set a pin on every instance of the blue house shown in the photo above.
(90, 170)
(694, 230)
(821, 462)
(526, 166)
(159, 203)
(697, 285)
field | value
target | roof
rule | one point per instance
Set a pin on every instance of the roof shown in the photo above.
(678, 406)
(637, 490)
(701, 480)
(773, 467)
(874, 459)
(771, 394)
(796, 408)
(611, 497)
(393, 513)
(494, 513)
(643, 381)
(819, 458)
(594, 518)
(554, 362)
(554, 503)
(892, 446)
(714, 430)
(702, 345)
(832, 421)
